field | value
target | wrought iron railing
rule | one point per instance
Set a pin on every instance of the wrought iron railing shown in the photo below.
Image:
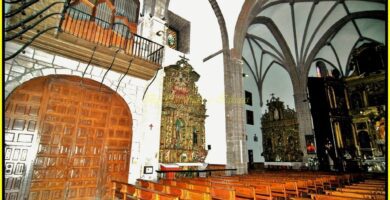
(28, 20)
(79, 24)
(118, 35)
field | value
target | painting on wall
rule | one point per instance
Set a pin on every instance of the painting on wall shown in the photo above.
(310, 146)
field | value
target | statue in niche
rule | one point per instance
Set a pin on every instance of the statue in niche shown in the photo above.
(183, 157)
(194, 137)
(179, 125)
(276, 114)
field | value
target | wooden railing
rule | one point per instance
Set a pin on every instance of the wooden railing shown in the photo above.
(117, 35)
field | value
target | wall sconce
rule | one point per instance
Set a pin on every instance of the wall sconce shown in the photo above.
(151, 126)
(244, 75)
(255, 138)
(160, 33)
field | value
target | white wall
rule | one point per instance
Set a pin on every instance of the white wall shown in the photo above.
(251, 130)
(206, 40)
(278, 82)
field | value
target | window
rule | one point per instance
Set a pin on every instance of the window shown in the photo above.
(249, 117)
(178, 33)
(172, 38)
(248, 98)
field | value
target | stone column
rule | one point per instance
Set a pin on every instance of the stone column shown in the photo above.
(235, 128)
(304, 118)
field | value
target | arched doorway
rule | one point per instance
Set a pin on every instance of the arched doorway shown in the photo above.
(65, 138)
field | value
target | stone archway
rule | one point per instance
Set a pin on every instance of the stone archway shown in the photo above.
(65, 138)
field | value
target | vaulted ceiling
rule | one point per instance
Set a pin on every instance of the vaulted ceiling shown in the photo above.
(293, 34)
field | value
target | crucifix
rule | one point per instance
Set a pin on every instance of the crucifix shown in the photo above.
(183, 60)
(184, 57)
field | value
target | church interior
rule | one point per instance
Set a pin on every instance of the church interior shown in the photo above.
(172, 99)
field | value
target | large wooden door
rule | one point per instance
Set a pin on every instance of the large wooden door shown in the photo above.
(66, 138)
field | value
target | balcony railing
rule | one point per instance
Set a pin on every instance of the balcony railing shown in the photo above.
(117, 35)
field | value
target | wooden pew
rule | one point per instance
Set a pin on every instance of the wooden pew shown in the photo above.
(123, 191)
(168, 189)
(354, 195)
(145, 194)
(278, 190)
(158, 187)
(173, 190)
(330, 197)
(302, 188)
(365, 187)
(263, 192)
(291, 189)
(368, 185)
(218, 184)
(127, 191)
(222, 193)
(311, 186)
(192, 194)
(244, 192)
(200, 188)
(167, 197)
(361, 191)
(200, 182)
(185, 190)
(335, 182)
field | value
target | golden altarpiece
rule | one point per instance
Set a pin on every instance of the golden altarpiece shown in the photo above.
(182, 138)
(280, 133)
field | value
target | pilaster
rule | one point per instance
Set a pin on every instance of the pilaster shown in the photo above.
(235, 130)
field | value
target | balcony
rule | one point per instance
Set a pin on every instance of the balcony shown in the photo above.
(56, 27)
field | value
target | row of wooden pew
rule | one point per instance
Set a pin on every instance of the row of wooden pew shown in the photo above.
(368, 189)
(125, 191)
(265, 186)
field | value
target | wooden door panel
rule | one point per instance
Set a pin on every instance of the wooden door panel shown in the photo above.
(51, 167)
(20, 135)
(62, 125)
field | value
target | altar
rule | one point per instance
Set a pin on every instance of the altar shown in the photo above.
(182, 136)
(169, 169)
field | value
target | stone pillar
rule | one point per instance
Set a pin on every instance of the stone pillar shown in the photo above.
(235, 128)
(304, 119)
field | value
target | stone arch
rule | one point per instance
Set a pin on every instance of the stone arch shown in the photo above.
(57, 124)
(36, 68)
(248, 13)
(332, 30)
(247, 16)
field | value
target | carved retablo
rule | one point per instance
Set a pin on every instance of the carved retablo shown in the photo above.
(183, 116)
(280, 133)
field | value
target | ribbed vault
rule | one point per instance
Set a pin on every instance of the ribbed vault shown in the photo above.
(294, 34)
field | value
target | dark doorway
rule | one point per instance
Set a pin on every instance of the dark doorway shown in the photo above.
(250, 160)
